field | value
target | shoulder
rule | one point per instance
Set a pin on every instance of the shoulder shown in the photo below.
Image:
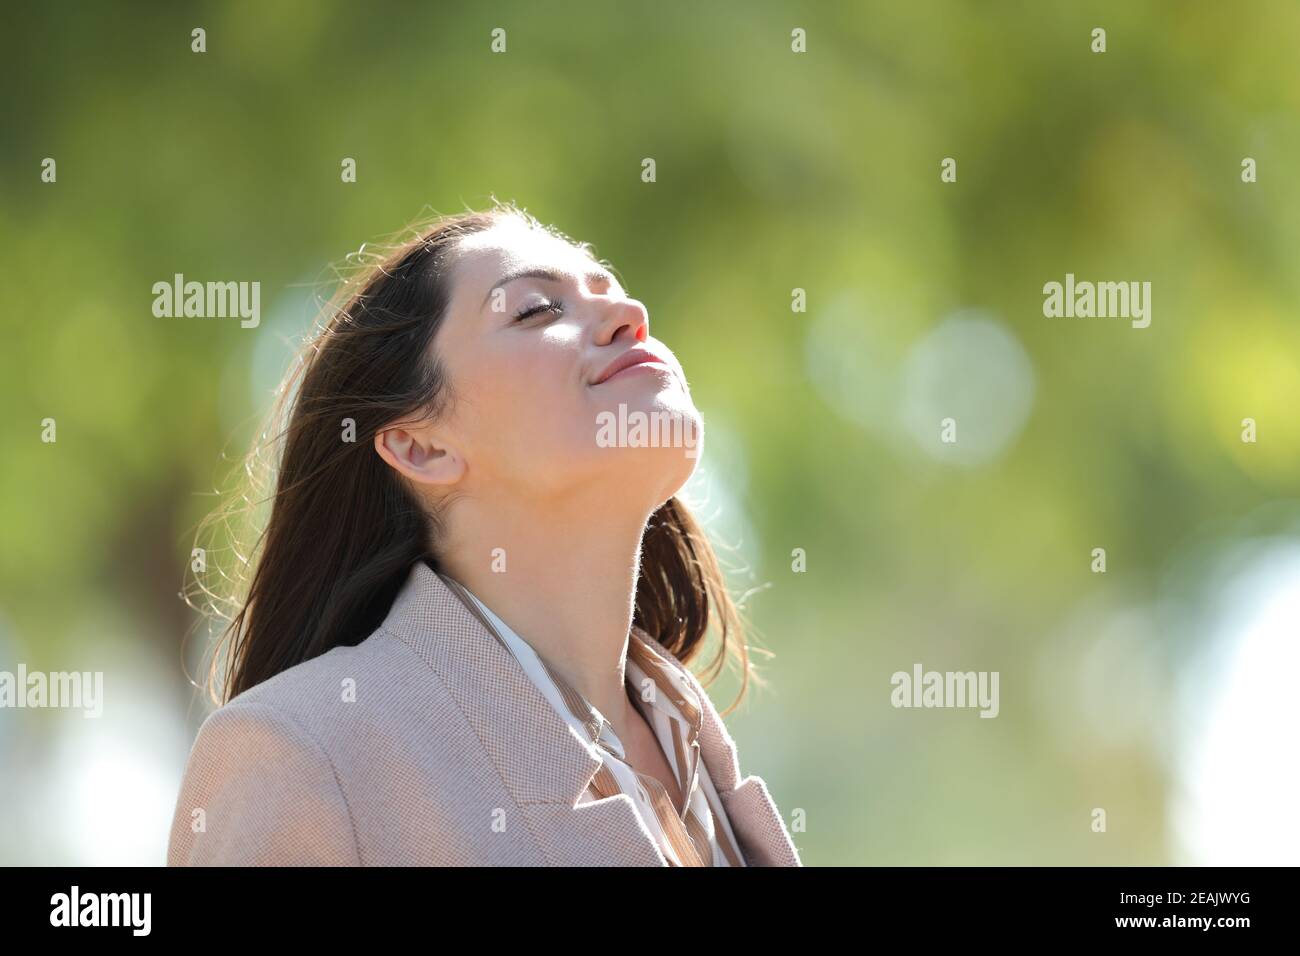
(309, 690)
(259, 789)
(295, 770)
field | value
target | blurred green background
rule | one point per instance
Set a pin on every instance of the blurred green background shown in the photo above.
(1160, 691)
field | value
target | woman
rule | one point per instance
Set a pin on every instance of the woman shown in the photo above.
(464, 639)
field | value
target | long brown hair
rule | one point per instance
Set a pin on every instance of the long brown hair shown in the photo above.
(344, 531)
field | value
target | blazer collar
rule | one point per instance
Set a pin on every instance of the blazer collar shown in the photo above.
(543, 765)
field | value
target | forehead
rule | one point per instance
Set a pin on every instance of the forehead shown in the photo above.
(484, 257)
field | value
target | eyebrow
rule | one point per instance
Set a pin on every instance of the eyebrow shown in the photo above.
(554, 275)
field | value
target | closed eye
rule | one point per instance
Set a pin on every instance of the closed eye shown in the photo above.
(541, 307)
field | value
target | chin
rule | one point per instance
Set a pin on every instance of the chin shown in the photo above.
(673, 464)
(664, 422)
(656, 443)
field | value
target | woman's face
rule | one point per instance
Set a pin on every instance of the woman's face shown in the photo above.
(533, 324)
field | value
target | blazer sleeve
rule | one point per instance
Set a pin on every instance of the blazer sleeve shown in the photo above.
(259, 791)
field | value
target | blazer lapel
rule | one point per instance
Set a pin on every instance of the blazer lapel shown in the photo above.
(543, 765)
(750, 809)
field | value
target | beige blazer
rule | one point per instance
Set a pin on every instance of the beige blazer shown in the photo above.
(426, 745)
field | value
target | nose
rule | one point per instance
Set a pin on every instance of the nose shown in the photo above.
(626, 317)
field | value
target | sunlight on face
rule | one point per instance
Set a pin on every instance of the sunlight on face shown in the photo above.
(525, 356)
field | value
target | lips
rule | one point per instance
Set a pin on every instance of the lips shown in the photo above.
(633, 356)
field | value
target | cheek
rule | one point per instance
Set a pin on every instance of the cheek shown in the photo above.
(533, 404)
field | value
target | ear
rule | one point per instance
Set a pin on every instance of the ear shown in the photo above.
(418, 453)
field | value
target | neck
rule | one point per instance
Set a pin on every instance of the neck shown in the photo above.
(568, 588)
